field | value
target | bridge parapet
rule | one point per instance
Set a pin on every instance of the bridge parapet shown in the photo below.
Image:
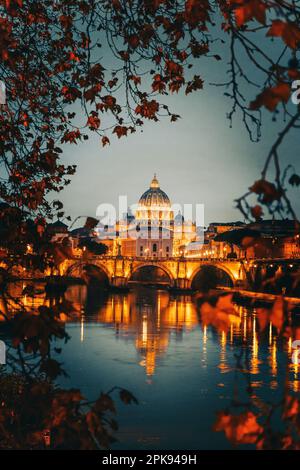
(180, 270)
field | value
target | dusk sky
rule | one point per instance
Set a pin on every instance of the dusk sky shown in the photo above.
(198, 159)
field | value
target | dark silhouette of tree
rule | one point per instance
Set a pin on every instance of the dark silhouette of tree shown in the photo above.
(52, 63)
(93, 247)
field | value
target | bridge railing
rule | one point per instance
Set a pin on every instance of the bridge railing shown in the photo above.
(152, 258)
(188, 259)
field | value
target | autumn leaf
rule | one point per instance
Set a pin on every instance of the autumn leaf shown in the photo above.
(93, 122)
(173, 69)
(294, 180)
(71, 136)
(73, 56)
(271, 97)
(249, 10)
(239, 429)
(109, 101)
(266, 190)
(135, 79)
(257, 212)
(105, 403)
(71, 93)
(176, 84)
(197, 12)
(158, 84)
(195, 84)
(276, 315)
(105, 141)
(289, 32)
(92, 92)
(121, 131)
(96, 72)
(25, 120)
(133, 41)
(18, 2)
(127, 397)
(220, 312)
(51, 368)
(148, 109)
(66, 21)
(116, 4)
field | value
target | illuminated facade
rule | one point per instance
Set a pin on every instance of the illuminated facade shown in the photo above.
(152, 231)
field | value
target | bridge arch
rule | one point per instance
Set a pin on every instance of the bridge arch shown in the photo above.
(211, 269)
(159, 266)
(88, 271)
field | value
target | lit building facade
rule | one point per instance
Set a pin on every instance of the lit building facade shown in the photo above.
(152, 231)
(154, 220)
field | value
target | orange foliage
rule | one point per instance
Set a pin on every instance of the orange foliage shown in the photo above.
(239, 429)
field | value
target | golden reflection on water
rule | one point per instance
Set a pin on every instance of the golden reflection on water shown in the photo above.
(149, 321)
(152, 319)
(254, 358)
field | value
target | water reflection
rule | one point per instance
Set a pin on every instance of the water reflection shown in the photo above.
(145, 316)
(152, 319)
(173, 357)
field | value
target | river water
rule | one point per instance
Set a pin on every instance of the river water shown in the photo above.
(181, 371)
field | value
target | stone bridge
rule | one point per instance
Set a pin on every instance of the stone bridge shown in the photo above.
(181, 272)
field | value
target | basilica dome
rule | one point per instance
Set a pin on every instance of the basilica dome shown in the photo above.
(154, 197)
(154, 207)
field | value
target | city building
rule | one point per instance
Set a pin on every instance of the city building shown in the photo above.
(153, 231)
(278, 239)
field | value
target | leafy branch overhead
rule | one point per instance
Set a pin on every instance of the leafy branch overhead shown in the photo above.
(76, 67)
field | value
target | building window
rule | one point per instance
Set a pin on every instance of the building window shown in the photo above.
(154, 248)
(168, 249)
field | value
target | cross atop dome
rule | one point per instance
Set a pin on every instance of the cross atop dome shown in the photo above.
(154, 183)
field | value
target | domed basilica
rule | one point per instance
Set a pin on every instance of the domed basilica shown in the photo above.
(154, 207)
(152, 231)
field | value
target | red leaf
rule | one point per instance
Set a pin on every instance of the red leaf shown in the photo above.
(120, 131)
(289, 32)
(148, 109)
(195, 84)
(105, 141)
(93, 122)
(249, 10)
(271, 97)
(267, 190)
(257, 212)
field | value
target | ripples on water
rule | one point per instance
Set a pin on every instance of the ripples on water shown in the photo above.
(182, 372)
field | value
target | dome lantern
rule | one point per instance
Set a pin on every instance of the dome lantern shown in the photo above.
(154, 183)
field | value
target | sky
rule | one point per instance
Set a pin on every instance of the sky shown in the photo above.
(198, 160)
